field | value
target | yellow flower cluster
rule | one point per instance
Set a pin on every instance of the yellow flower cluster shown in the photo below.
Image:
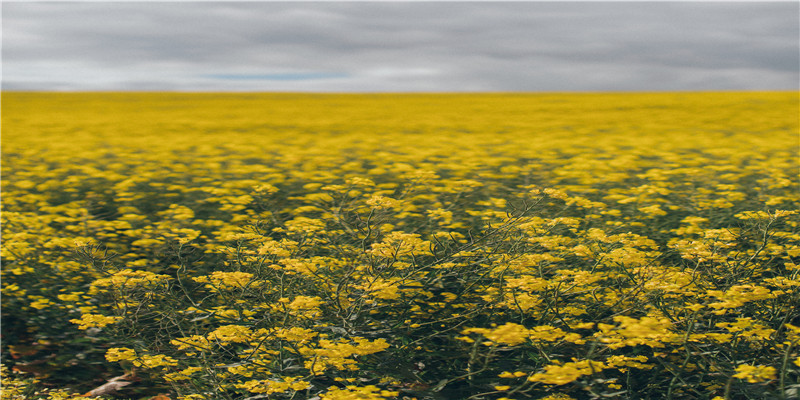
(139, 360)
(276, 386)
(631, 332)
(230, 334)
(120, 354)
(336, 354)
(512, 334)
(755, 373)
(227, 280)
(350, 392)
(399, 244)
(566, 373)
(128, 278)
(87, 321)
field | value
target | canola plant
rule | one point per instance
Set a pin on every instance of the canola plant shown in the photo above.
(408, 246)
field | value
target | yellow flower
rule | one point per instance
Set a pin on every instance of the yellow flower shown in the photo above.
(569, 372)
(507, 374)
(69, 297)
(296, 334)
(382, 202)
(194, 342)
(555, 193)
(220, 279)
(351, 392)
(130, 278)
(281, 385)
(182, 375)
(397, 244)
(653, 210)
(231, 333)
(41, 304)
(755, 373)
(558, 396)
(158, 360)
(304, 303)
(509, 333)
(94, 321)
(120, 354)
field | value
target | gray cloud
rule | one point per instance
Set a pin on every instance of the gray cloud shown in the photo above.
(400, 46)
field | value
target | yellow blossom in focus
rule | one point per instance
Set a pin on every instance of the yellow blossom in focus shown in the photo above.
(120, 353)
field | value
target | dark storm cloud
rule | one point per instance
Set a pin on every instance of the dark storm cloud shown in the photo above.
(401, 46)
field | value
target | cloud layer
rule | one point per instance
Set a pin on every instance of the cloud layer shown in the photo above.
(401, 46)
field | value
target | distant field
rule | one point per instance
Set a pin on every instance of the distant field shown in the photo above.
(441, 246)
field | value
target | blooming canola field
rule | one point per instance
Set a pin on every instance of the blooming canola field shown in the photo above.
(401, 246)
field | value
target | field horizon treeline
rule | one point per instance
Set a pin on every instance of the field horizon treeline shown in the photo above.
(400, 246)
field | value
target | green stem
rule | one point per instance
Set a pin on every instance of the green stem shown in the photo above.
(782, 384)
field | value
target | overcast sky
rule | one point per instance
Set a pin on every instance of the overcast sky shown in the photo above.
(400, 46)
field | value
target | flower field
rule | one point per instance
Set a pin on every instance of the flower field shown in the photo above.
(388, 246)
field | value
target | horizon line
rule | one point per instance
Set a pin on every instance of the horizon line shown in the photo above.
(797, 90)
